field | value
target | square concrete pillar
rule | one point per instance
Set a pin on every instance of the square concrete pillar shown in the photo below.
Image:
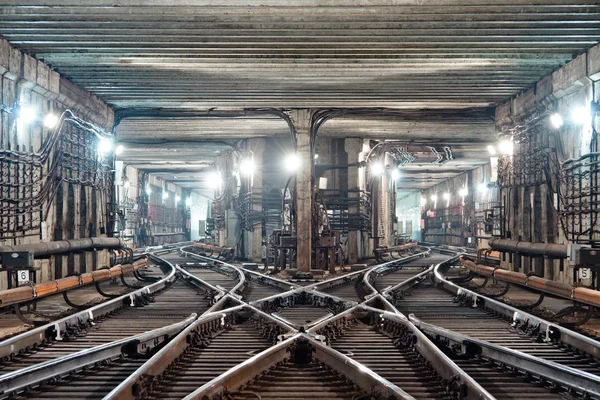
(257, 146)
(302, 122)
(353, 147)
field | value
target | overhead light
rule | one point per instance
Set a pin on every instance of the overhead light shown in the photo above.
(165, 195)
(213, 180)
(423, 201)
(506, 147)
(188, 201)
(104, 146)
(377, 168)
(177, 198)
(581, 115)
(26, 113)
(292, 162)
(482, 187)
(395, 174)
(148, 191)
(491, 149)
(446, 196)
(463, 192)
(50, 120)
(119, 149)
(556, 120)
(316, 156)
(434, 198)
(247, 167)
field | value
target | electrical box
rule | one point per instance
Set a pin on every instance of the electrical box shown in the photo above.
(588, 257)
(287, 241)
(17, 259)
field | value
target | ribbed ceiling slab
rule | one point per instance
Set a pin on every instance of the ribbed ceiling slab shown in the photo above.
(305, 53)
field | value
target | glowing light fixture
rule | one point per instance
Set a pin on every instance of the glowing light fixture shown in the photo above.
(395, 174)
(292, 162)
(506, 147)
(247, 167)
(50, 120)
(127, 184)
(213, 180)
(482, 187)
(104, 146)
(556, 120)
(26, 113)
(377, 169)
(491, 149)
(165, 195)
(581, 115)
(434, 198)
(119, 149)
(177, 198)
(463, 192)
(148, 191)
(423, 201)
(446, 196)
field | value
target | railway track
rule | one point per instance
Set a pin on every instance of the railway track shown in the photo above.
(171, 304)
(265, 342)
(435, 306)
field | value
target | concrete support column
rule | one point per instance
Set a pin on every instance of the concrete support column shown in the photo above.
(386, 209)
(353, 147)
(365, 248)
(257, 146)
(302, 122)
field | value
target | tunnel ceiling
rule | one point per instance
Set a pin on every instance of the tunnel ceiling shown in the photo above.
(224, 54)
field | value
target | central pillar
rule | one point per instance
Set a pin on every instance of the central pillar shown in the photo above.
(353, 147)
(257, 146)
(302, 122)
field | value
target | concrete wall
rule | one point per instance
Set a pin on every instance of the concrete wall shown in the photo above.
(198, 212)
(532, 212)
(458, 221)
(24, 80)
(161, 218)
(408, 211)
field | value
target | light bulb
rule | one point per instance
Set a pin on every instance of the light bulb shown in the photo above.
(247, 167)
(50, 121)
(26, 113)
(491, 149)
(213, 180)
(104, 146)
(119, 149)
(556, 120)
(377, 169)
(292, 162)
(506, 147)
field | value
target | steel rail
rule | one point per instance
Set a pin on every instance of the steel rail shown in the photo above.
(581, 381)
(242, 277)
(54, 329)
(400, 261)
(553, 332)
(445, 367)
(137, 344)
(129, 388)
(243, 372)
